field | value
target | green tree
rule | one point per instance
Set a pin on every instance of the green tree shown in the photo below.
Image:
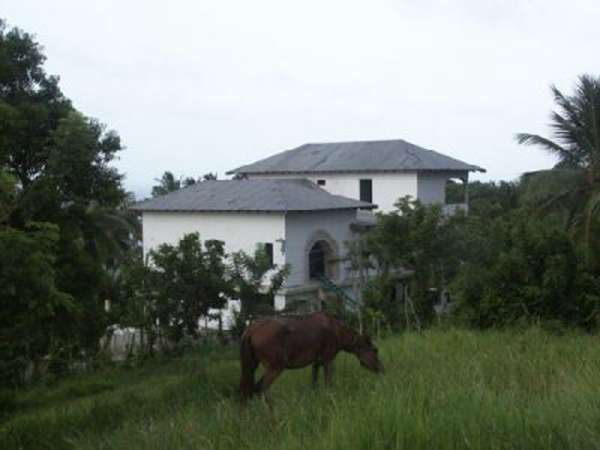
(55, 170)
(30, 299)
(492, 199)
(526, 270)
(255, 281)
(188, 279)
(168, 183)
(82, 194)
(31, 106)
(8, 196)
(134, 300)
(573, 185)
(419, 238)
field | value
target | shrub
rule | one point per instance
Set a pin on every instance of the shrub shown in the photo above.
(8, 402)
(535, 276)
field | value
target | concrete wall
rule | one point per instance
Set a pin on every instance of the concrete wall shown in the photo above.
(242, 231)
(298, 230)
(302, 229)
(387, 187)
(239, 231)
(431, 186)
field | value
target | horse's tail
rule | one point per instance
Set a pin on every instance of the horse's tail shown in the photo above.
(248, 364)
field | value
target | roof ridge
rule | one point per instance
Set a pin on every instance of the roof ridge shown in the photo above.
(360, 141)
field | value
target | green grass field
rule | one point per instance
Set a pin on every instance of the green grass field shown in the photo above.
(443, 389)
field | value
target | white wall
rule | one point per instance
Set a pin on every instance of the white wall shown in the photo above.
(387, 187)
(239, 231)
(242, 231)
(432, 185)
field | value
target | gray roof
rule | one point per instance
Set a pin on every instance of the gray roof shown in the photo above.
(366, 156)
(251, 196)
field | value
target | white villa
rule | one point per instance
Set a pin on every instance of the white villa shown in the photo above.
(303, 205)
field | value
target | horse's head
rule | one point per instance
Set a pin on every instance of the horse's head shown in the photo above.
(367, 353)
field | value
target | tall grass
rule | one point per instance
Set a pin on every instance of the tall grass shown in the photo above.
(442, 389)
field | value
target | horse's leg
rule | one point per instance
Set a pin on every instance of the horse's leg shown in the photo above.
(267, 379)
(270, 375)
(328, 369)
(249, 364)
(315, 374)
(265, 382)
(258, 385)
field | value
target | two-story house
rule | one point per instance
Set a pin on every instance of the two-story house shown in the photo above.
(303, 206)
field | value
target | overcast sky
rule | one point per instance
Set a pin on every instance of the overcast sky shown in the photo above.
(199, 86)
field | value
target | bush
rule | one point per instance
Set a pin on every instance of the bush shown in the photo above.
(535, 276)
(8, 402)
(381, 307)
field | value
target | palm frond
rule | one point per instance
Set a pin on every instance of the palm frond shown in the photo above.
(534, 139)
(579, 143)
(575, 125)
(587, 98)
(568, 105)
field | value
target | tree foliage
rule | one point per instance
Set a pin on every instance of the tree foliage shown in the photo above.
(31, 106)
(255, 280)
(530, 272)
(188, 279)
(573, 186)
(56, 176)
(31, 303)
(418, 238)
(168, 183)
(501, 264)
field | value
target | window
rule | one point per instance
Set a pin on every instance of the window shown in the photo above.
(366, 191)
(321, 182)
(269, 251)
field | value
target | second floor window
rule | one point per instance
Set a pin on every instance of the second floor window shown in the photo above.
(321, 182)
(366, 190)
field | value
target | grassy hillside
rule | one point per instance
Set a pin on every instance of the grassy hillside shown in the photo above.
(442, 389)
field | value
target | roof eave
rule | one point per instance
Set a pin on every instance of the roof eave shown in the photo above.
(252, 211)
(302, 172)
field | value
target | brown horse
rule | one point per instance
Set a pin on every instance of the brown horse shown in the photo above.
(293, 342)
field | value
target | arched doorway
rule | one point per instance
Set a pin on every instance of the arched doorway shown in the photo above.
(321, 260)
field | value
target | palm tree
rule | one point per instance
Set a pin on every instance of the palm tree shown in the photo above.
(573, 185)
(168, 183)
(255, 280)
